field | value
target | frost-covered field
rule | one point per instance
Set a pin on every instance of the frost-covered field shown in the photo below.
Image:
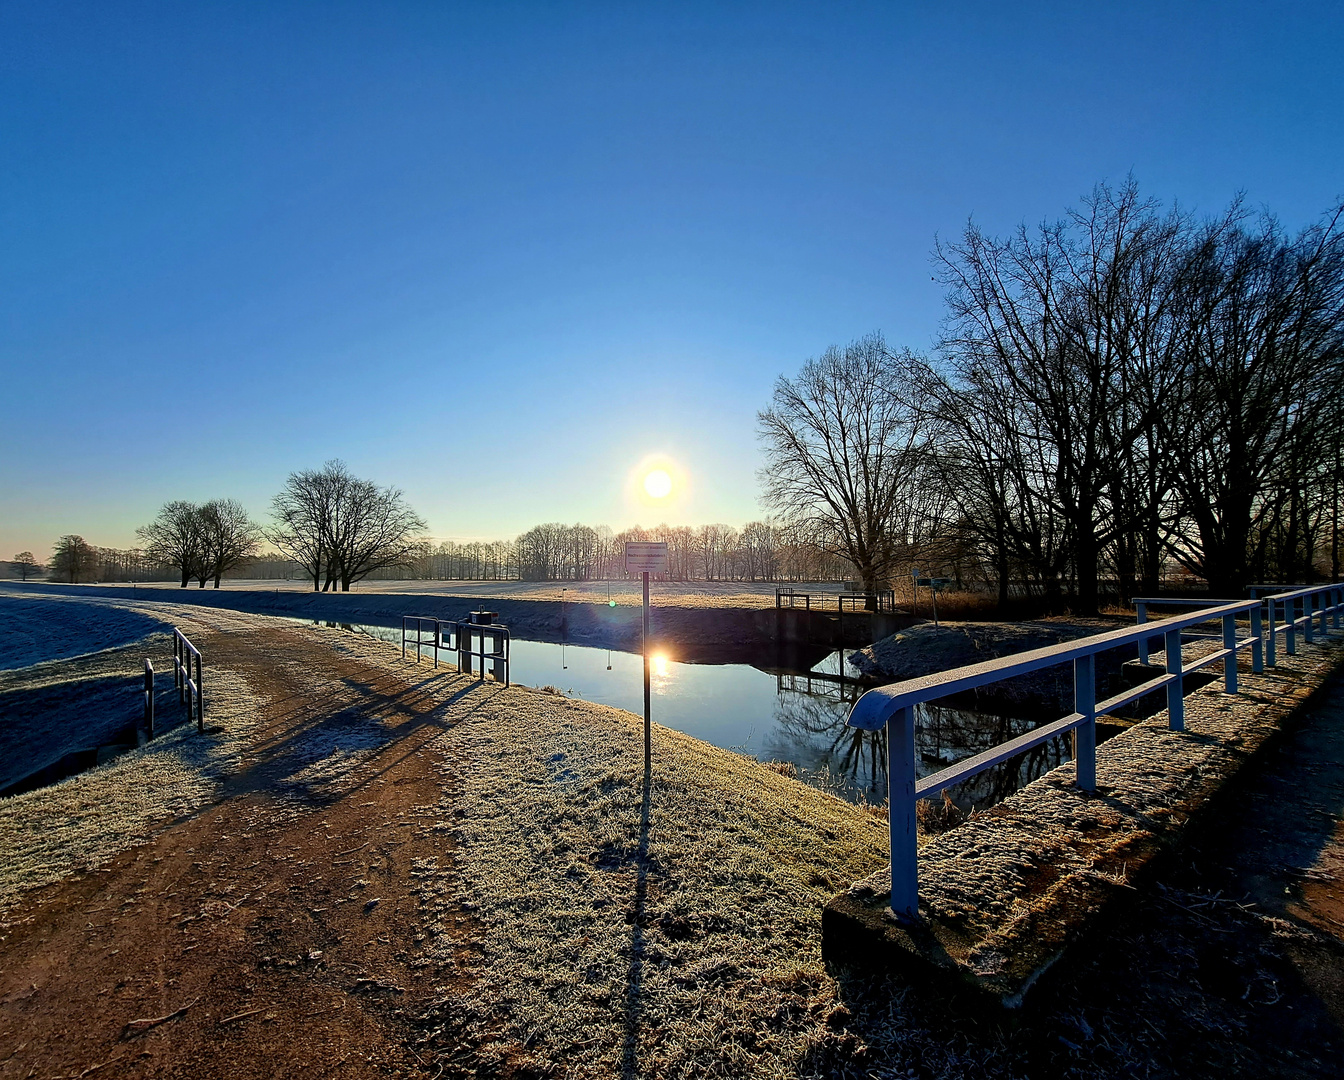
(84, 820)
(693, 594)
(35, 628)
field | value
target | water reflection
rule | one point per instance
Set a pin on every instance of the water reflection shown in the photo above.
(793, 711)
(810, 731)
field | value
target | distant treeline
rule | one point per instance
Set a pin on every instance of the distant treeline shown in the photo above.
(759, 551)
(75, 560)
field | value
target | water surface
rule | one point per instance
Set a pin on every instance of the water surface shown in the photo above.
(786, 710)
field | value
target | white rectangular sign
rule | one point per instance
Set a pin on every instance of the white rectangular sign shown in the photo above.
(645, 557)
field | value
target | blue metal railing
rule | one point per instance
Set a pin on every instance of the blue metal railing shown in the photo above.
(893, 706)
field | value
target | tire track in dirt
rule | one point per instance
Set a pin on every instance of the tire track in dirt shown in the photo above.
(279, 930)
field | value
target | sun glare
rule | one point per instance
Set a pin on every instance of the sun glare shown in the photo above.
(659, 663)
(658, 484)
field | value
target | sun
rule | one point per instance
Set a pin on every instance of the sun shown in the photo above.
(658, 484)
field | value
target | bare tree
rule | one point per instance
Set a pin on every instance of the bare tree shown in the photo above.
(329, 521)
(176, 537)
(378, 529)
(1262, 376)
(302, 513)
(228, 535)
(73, 559)
(842, 445)
(1078, 320)
(27, 565)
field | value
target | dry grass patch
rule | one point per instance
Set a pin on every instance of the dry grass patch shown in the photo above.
(677, 937)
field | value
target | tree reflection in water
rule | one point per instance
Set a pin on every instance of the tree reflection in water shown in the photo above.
(810, 730)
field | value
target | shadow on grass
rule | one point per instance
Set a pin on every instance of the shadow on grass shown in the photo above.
(635, 977)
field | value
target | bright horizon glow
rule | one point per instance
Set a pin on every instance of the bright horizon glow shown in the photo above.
(658, 484)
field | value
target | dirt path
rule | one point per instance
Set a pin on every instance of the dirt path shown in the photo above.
(278, 930)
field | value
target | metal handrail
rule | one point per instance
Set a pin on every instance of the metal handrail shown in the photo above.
(149, 699)
(882, 600)
(419, 621)
(895, 704)
(455, 636)
(189, 689)
(1304, 599)
(500, 655)
(1141, 605)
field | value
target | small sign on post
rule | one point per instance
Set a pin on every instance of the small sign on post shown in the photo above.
(645, 558)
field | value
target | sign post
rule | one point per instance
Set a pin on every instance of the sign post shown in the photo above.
(644, 559)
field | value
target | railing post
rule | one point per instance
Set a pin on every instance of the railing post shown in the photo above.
(901, 814)
(1258, 640)
(1142, 609)
(463, 634)
(1271, 647)
(1230, 647)
(1308, 614)
(403, 637)
(1085, 734)
(1175, 688)
(1337, 595)
(149, 698)
(1290, 624)
(1324, 609)
(200, 697)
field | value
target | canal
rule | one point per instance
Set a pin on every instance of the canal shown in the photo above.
(785, 709)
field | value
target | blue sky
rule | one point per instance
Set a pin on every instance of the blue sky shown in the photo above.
(496, 254)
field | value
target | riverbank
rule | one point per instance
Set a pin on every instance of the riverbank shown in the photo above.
(411, 873)
(459, 871)
(691, 621)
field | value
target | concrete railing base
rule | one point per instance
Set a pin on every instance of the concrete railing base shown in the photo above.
(1003, 895)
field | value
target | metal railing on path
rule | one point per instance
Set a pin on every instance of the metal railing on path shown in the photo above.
(149, 699)
(893, 706)
(883, 600)
(495, 643)
(189, 683)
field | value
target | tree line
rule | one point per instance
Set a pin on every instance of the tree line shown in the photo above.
(192, 543)
(329, 524)
(74, 560)
(1124, 391)
(759, 551)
